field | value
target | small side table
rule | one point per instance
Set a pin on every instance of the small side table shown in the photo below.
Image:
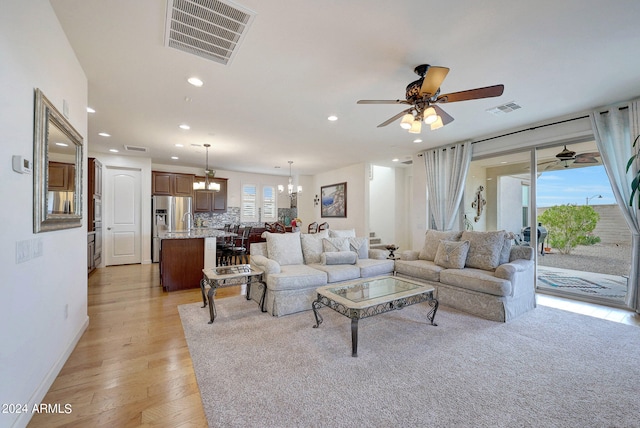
(227, 276)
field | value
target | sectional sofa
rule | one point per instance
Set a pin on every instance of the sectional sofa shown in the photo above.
(481, 273)
(295, 264)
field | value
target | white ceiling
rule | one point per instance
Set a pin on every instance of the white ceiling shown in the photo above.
(304, 60)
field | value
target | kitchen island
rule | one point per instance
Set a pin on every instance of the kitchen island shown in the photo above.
(183, 255)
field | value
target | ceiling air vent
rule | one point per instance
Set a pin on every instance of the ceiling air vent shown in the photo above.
(210, 29)
(504, 108)
(408, 162)
(136, 149)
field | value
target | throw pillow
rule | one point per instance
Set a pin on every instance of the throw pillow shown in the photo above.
(432, 240)
(484, 248)
(347, 233)
(452, 254)
(285, 248)
(360, 246)
(339, 258)
(335, 244)
(311, 247)
(506, 248)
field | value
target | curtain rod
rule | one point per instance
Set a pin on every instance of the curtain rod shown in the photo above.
(533, 128)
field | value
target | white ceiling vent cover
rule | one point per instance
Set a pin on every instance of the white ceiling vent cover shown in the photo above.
(504, 108)
(210, 29)
(135, 149)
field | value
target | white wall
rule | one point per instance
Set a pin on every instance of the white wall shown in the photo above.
(36, 335)
(382, 202)
(357, 178)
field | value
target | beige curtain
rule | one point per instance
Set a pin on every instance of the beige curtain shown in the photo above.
(446, 175)
(615, 128)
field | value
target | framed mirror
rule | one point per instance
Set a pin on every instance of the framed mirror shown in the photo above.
(57, 169)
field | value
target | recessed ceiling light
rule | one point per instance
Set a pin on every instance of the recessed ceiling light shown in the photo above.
(395, 160)
(90, 110)
(332, 118)
(104, 134)
(62, 144)
(175, 157)
(179, 145)
(195, 81)
(185, 126)
(113, 150)
(417, 140)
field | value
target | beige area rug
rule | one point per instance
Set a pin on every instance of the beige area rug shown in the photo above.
(548, 368)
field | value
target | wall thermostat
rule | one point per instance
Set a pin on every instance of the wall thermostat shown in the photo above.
(22, 165)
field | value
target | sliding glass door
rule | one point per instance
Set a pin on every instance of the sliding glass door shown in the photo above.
(553, 203)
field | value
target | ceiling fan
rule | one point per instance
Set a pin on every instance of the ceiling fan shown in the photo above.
(423, 95)
(567, 155)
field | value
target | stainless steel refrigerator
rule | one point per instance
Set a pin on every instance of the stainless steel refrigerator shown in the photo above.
(170, 214)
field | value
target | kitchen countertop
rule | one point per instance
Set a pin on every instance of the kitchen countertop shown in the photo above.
(196, 232)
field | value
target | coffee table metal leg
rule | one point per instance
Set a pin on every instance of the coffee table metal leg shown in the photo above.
(434, 308)
(354, 337)
(264, 296)
(316, 305)
(212, 306)
(203, 283)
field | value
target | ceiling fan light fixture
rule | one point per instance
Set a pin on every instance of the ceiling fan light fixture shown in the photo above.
(407, 121)
(430, 116)
(566, 155)
(437, 124)
(416, 127)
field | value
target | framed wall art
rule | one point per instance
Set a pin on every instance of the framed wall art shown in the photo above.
(334, 200)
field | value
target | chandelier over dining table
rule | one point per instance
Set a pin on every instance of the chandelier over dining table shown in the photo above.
(290, 186)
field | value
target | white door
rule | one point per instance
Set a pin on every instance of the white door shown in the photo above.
(122, 216)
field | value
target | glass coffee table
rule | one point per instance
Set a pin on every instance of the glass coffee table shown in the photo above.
(367, 297)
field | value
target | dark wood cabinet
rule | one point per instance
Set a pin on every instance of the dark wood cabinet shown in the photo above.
(181, 262)
(94, 211)
(171, 184)
(95, 177)
(61, 176)
(215, 202)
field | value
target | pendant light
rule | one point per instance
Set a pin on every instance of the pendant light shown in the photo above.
(206, 185)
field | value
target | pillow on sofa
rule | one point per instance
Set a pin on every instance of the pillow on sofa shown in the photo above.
(312, 246)
(335, 244)
(452, 254)
(285, 248)
(347, 233)
(506, 248)
(432, 240)
(484, 248)
(360, 246)
(339, 258)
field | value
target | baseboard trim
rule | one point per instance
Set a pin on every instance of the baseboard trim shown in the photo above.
(48, 380)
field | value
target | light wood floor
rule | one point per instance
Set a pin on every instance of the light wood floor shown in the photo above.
(132, 368)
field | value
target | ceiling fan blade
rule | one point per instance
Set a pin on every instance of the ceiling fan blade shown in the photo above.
(383, 102)
(446, 118)
(433, 79)
(587, 157)
(472, 94)
(394, 118)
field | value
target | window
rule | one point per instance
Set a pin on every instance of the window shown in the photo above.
(248, 211)
(259, 206)
(269, 208)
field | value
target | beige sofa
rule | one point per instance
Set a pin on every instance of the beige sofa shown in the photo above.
(295, 264)
(481, 273)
